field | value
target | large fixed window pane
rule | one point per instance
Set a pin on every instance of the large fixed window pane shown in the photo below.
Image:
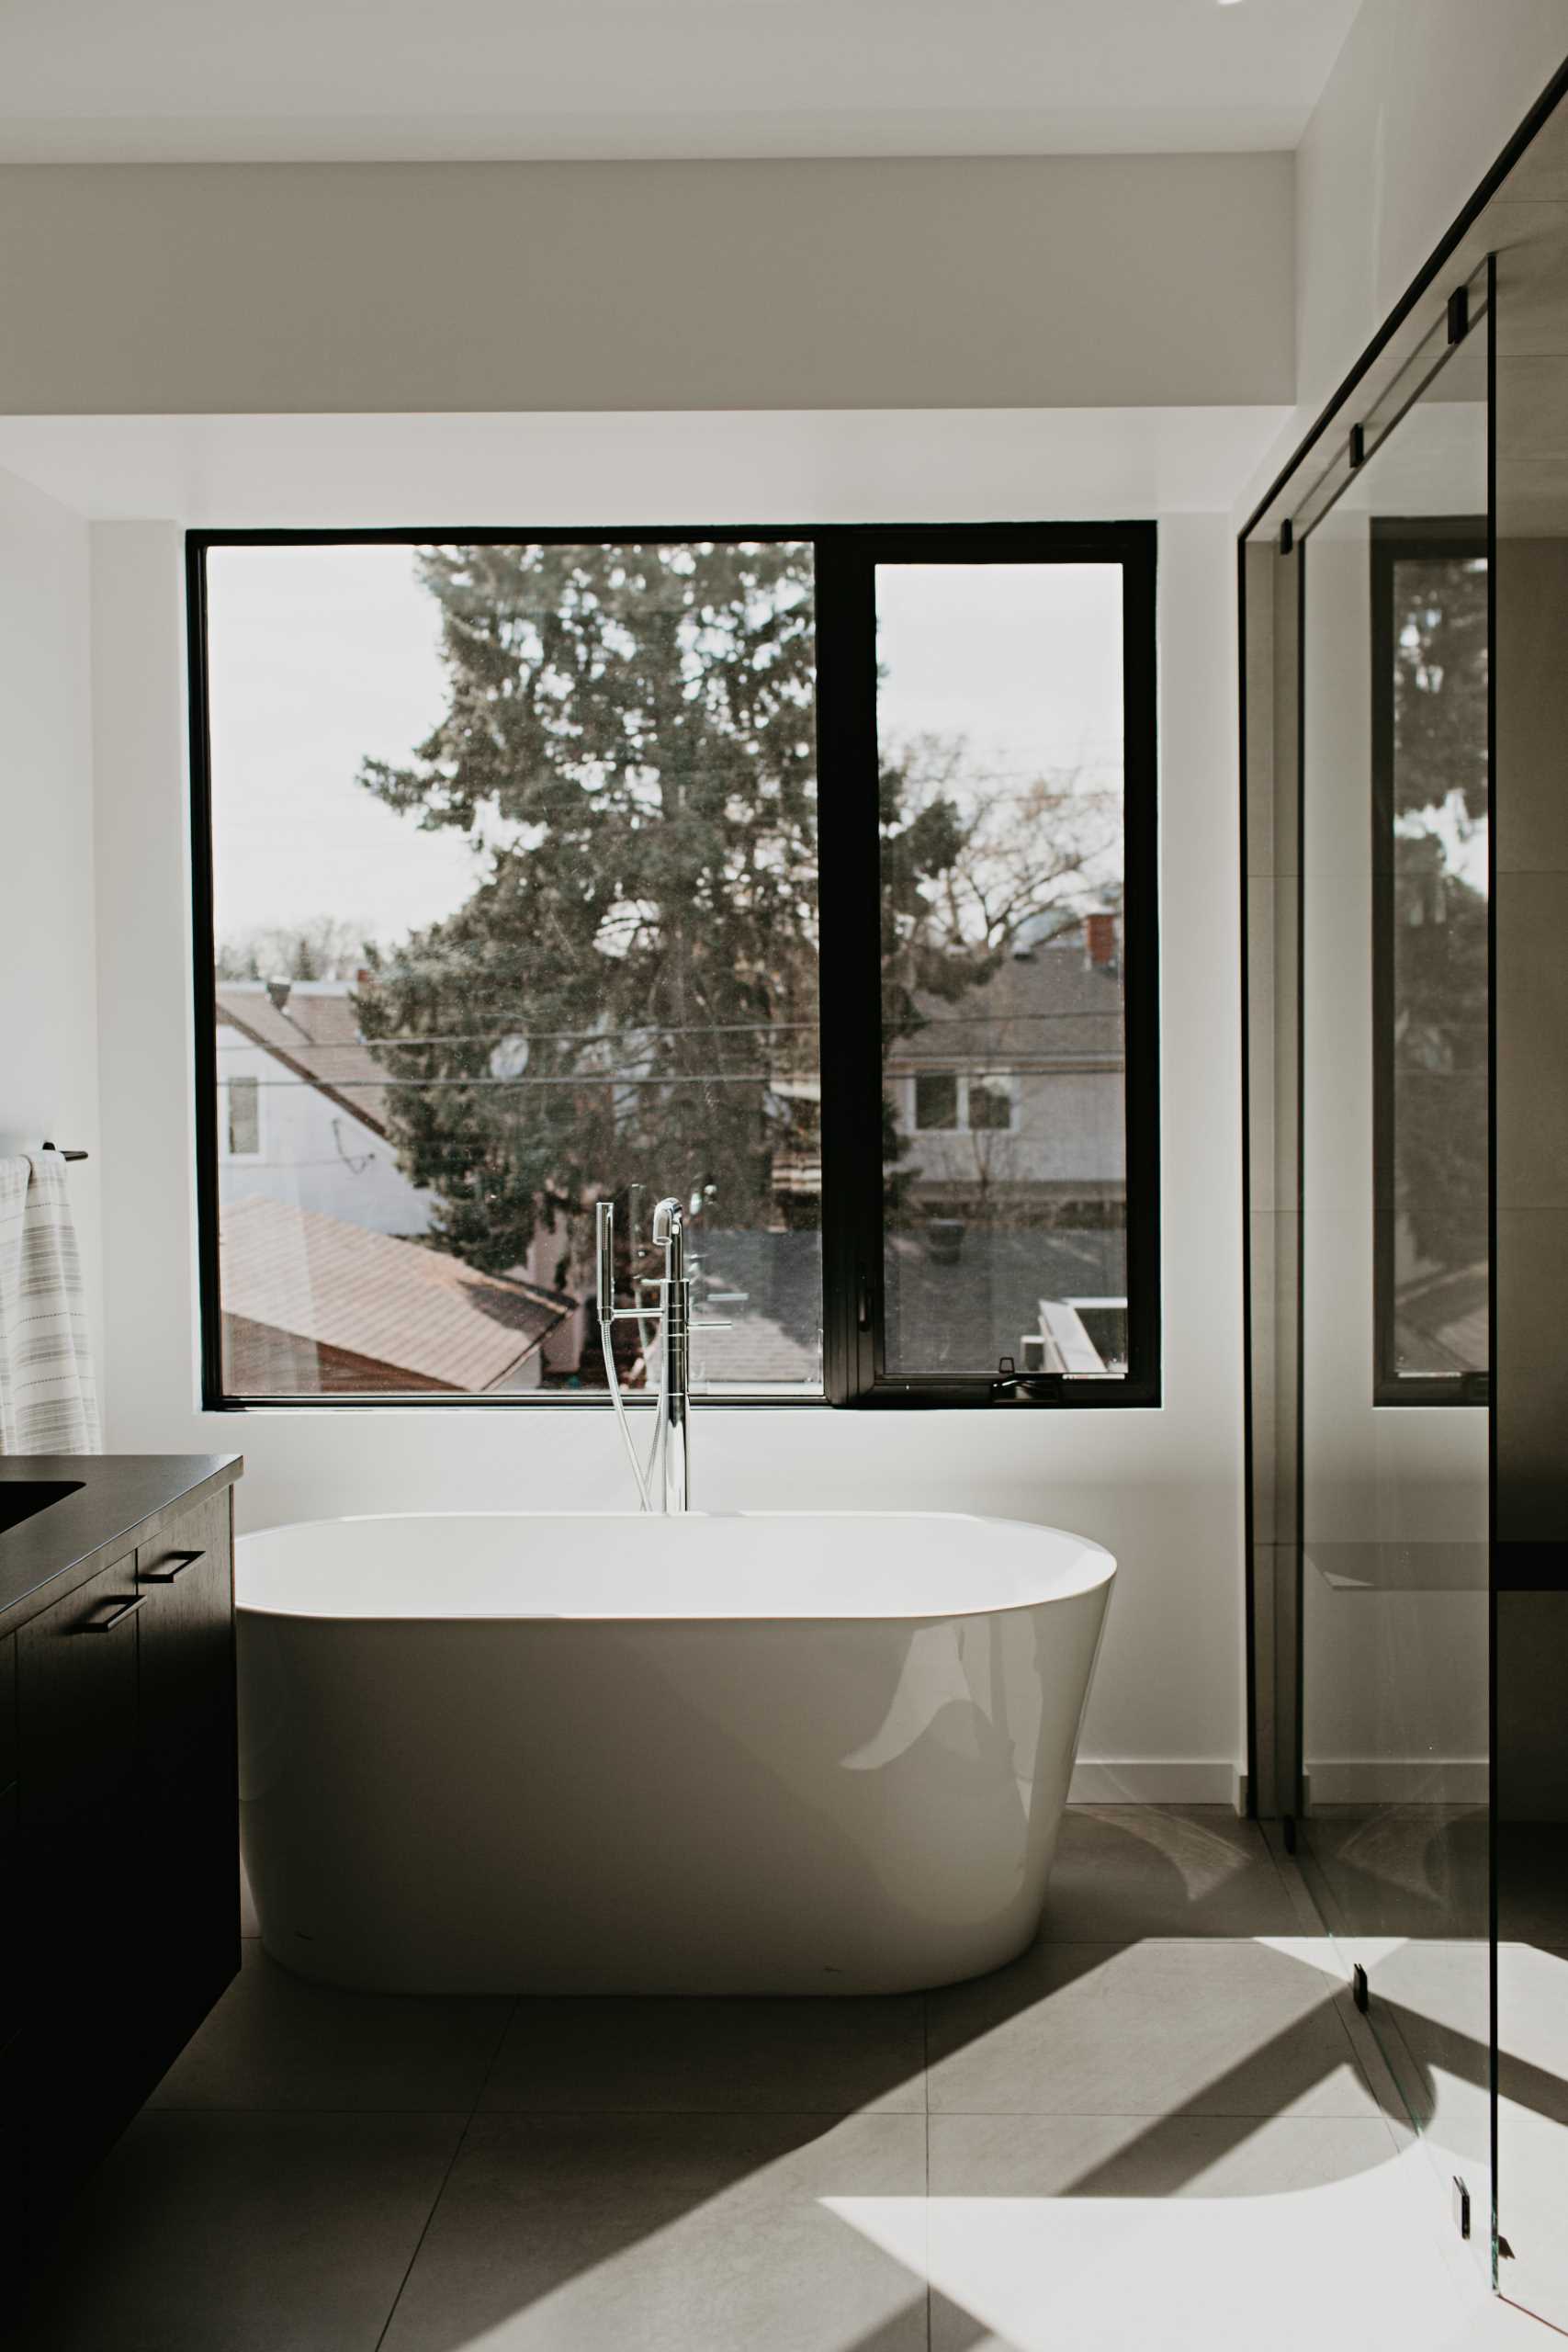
(513, 859)
(1000, 739)
(1430, 650)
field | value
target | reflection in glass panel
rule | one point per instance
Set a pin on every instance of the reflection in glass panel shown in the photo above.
(1394, 1272)
(514, 864)
(999, 733)
(1531, 1413)
(1431, 786)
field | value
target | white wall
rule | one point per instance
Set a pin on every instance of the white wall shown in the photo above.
(1423, 98)
(49, 1047)
(1026, 281)
(1162, 1488)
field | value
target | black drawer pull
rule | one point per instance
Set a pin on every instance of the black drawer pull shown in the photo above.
(175, 1565)
(127, 1609)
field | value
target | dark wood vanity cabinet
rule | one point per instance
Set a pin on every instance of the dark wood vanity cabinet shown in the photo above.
(76, 1821)
(189, 1802)
(118, 1837)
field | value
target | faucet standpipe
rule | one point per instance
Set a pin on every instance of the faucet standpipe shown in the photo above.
(671, 1448)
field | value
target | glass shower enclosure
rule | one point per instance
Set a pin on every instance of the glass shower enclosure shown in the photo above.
(1404, 629)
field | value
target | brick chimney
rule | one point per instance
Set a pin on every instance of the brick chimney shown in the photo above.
(1100, 941)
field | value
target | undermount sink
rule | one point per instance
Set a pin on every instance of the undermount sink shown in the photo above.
(22, 1497)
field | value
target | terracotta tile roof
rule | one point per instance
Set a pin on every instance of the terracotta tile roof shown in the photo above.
(370, 1296)
(316, 1036)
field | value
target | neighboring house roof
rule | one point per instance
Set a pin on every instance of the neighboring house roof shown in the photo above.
(369, 1296)
(754, 1349)
(317, 1037)
(1049, 1008)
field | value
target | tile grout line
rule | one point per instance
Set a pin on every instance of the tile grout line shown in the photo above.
(838, 2114)
(780, 2114)
(457, 2146)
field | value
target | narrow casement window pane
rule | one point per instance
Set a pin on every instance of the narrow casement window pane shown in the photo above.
(999, 735)
(515, 872)
(1430, 957)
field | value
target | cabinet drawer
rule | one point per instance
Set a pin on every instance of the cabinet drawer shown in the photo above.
(186, 1635)
(76, 1702)
(189, 1824)
(10, 1975)
(7, 1711)
(74, 1872)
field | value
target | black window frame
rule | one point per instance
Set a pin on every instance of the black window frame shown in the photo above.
(845, 557)
(1394, 540)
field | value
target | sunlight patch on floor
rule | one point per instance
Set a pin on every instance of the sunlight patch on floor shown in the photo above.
(1354, 2264)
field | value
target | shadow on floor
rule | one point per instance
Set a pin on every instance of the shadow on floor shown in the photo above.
(345, 2172)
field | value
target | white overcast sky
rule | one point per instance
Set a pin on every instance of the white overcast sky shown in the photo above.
(322, 657)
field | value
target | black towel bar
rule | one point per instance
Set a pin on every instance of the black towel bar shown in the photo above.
(64, 1155)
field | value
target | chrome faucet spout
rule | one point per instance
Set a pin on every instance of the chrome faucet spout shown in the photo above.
(667, 1488)
(674, 1402)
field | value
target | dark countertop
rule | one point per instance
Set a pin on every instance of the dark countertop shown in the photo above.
(120, 1494)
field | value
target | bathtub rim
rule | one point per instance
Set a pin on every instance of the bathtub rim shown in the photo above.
(1091, 1554)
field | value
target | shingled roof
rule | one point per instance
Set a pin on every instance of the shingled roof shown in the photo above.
(316, 1036)
(388, 1302)
(1048, 1009)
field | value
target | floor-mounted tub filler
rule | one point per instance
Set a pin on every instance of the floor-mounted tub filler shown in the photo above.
(813, 1752)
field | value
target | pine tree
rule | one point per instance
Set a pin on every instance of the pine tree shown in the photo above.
(1440, 787)
(629, 996)
(629, 735)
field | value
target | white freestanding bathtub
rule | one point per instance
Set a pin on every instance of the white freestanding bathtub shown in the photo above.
(590, 1753)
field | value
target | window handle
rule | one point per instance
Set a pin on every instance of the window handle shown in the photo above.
(862, 1301)
(1039, 1387)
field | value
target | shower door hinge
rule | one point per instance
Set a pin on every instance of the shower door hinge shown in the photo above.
(1462, 2207)
(1459, 327)
(1359, 1991)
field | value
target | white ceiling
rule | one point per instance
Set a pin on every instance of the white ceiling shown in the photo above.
(126, 80)
(616, 472)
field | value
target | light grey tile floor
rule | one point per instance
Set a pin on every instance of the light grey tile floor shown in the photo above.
(1233, 2028)
(1146, 1870)
(591, 2233)
(275, 2040)
(990, 2166)
(1400, 1870)
(246, 2232)
(783, 2056)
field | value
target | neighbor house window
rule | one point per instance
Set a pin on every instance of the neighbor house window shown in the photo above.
(243, 1136)
(936, 1100)
(523, 893)
(1430, 810)
(989, 1104)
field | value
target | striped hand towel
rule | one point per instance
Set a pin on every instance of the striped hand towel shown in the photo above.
(48, 1401)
